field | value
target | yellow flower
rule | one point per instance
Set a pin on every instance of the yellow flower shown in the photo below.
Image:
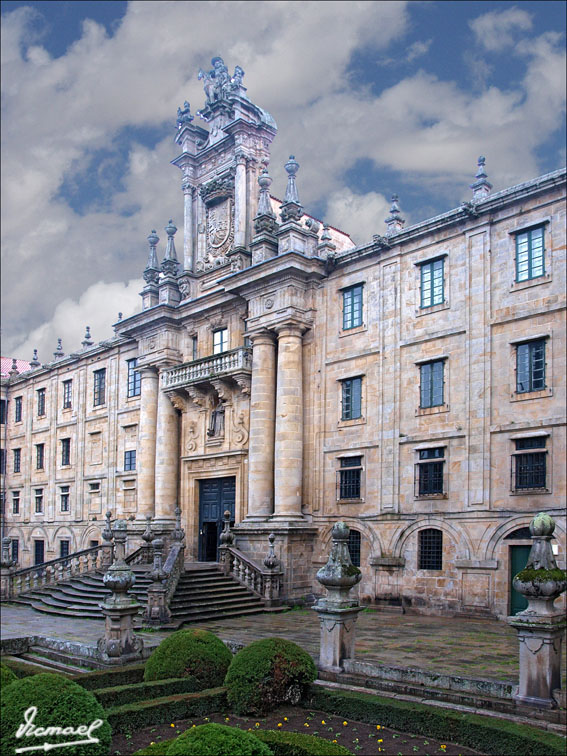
(380, 740)
(305, 724)
(226, 719)
(285, 719)
(257, 724)
(193, 726)
(323, 721)
(334, 741)
(152, 743)
(280, 724)
(172, 725)
(378, 727)
(345, 723)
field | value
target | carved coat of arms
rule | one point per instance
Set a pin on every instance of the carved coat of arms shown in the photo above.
(219, 225)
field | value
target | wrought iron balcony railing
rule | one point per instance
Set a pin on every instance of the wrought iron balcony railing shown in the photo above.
(218, 365)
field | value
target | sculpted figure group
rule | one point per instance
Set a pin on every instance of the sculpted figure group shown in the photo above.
(218, 83)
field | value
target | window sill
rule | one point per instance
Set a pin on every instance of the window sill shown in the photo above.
(432, 308)
(525, 395)
(530, 491)
(429, 497)
(422, 411)
(350, 331)
(520, 285)
(350, 501)
(350, 423)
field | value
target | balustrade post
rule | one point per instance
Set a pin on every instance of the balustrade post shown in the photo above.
(6, 571)
(157, 612)
(271, 581)
(107, 545)
(147, 538)
(226, 541)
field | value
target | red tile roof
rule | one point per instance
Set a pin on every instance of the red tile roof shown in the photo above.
(6, 366)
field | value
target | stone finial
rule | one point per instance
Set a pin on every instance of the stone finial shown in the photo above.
(265, 219)
(120, 316)
(178, 534)
(271, 561)
(394, 222)
(151, 272)
(59, 353)
(157, 573)
(147, 535)
(34, 362)
(339, 575)
(291, 208)
(87, 340)
(6, 561)
(107, 533)
(170, 263)
(326, 248)
(14, 369)
(226, 537)
(481, 187)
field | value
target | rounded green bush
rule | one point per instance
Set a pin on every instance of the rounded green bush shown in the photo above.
(266, 674)
(61, 703)
(6, 676)
(299, 744)
(217, 740)
(190, 653)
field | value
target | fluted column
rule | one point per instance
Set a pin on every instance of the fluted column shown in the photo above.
(288, 449)
(188, 227)
(146, 461)
(262, 427)
(167, 453)
(240, 202)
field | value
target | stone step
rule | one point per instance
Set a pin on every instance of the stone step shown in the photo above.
(220, 602)
(228, 590)
(215, 614)
(38, 658)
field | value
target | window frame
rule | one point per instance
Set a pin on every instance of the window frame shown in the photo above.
(99, 387)
(527, 232)
(38, 499)
(531, 369)
(351, 398)
(41, 403)
(65, 499)
(134, 384)
(352, 312)
(221, 346)
(67, 394)
(529, 456)
(424, 561)
(17, 467)
(423, 267)
(355, 549)
(430, 465)
(40, 456)
(435, 405)
(16, 500)
(18, 409)
(350, 466)
(128, 458)
(15, 549)
(65, 452)
(3, 411)
(3, 461)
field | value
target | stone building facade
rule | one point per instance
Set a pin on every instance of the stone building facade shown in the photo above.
(413, 386)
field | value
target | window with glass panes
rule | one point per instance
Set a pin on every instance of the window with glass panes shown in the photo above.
(17, 460)
(134, 379)
(530, 254)
(194, 347)
(40, 402)
(15, 502)
(351, 398)
(130, 460)
(18, 409)
(39, 456)
(430, 471)
(530, 366)
(67, 394)
(220, 340)
(65, 451)
(352, 307)
(430, 552)
(529, 464)
(350, 474)
(354, 547)
(64, 549)
(3, 461)
(431, 384)
(15, 549)
(38, 494)
(432, 283)
(64, 498)
(99, 387)
(3, 405)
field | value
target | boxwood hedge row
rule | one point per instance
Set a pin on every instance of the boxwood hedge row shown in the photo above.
(145, 691)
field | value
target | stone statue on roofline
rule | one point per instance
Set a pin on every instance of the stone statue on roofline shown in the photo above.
(218, 83)
(184, 115)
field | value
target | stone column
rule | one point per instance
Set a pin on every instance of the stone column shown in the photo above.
(188, 227)
(240, 201)
(262, 427)
(167, 453)
(146, 462)
(288, 448)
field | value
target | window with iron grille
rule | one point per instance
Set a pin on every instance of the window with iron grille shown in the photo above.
(530, 366)
(431, 384)
(40, 402)
(430, 549)
(39, 456)
(220, 340)
(351, 399)
(432, 283)
(65, 451)
(17, 460)
(350, 474)
(18, 409)
(15, 549)
(67, 394)
(352, 307)
(3, 461)
(38, 500)
(99, 387)
(64, 498)
(430, 472)
(134, 378)
(3, 405)
(130, 460)
(529, 464)
(354, 547)
(530, 254)
(64, 549)
(15, 502)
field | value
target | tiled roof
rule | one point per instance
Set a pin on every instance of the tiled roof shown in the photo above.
(6, 366)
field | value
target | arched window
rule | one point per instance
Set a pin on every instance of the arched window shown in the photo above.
(354, 547)
(521, 534)
(430, 549)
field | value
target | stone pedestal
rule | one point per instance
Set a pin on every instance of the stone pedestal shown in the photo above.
(338, 634)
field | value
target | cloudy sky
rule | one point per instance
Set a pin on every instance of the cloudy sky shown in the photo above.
(371, 97)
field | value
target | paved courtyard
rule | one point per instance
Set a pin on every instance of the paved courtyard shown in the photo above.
(469, 647)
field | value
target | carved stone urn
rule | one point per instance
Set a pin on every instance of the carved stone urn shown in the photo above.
(339, 575)
(119, 578)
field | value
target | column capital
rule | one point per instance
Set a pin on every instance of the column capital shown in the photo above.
(147, 371)
(289, 329)
(262, 337)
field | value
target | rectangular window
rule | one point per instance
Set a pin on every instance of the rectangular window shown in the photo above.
(432, 283)
(65, 451)
(2, 411)
(94, 487)
(349, 477)
(39, 456)
(15, 502)
(64, 498)
(63, 549)
(220, 340)
(351, 399)
(530, 252)
(17, 460)
(15, 549)
(130, 460)
(67, 394)
(430, 549)
(99, 387)
(529, 464)
(3, 461)
(18, 409)
(530, 366)
(431, 384)
(40, 402)
(134, 379)
(352, 307)
(194, 347)
(38, 500)
(430, 472)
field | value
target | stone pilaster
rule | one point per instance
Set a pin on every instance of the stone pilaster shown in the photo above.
(166, 459)
(288, 448)
(262, 427)
(188, 192)
(147, 442)
(240, 201)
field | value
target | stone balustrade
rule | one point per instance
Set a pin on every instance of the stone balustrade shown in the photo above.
(225, 364)
(265, 582)
(56, 570)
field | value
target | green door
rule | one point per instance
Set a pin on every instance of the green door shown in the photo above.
(518, 560)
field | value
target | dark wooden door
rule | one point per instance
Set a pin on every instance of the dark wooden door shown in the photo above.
(518, 560)
(215, 496)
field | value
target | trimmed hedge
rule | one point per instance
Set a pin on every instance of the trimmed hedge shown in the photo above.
(485, 734)
(267, 673)
(6, 676)
(298, 744)
(135, 716)
(23, 669)
(157, 749)
(107, 678)
(145, 691)
(190, 653)
(60, 703)
(217, 740)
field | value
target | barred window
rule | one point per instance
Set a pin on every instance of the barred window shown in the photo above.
(430, 549)
(65, 451)
(67, 394)
(15, 502)
(432, 283)
(134, 378)
(64, 549)
(40, 456)
(350, 474)
(17, 460)
(40, 402)
(529, 464)
(354, 547)
(530, 254)
(18, 409)
(430, 472)
(431, 384)
(3, 455)
(64, 498)
(352, 307)
(3, 405)
(530, 366)
(130, 460)
(15, 544)
(351, 399)
(99, 387)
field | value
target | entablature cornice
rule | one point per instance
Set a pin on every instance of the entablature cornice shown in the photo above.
(291, 267)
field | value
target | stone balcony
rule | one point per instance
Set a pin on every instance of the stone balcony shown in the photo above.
(235, 364)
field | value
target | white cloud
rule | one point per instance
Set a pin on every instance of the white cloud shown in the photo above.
(364, 214)
(497, 30)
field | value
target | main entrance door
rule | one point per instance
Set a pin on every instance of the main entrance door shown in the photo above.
(215, 496)
(518, 559)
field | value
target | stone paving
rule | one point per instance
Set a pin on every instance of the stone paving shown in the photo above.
(464, 647)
